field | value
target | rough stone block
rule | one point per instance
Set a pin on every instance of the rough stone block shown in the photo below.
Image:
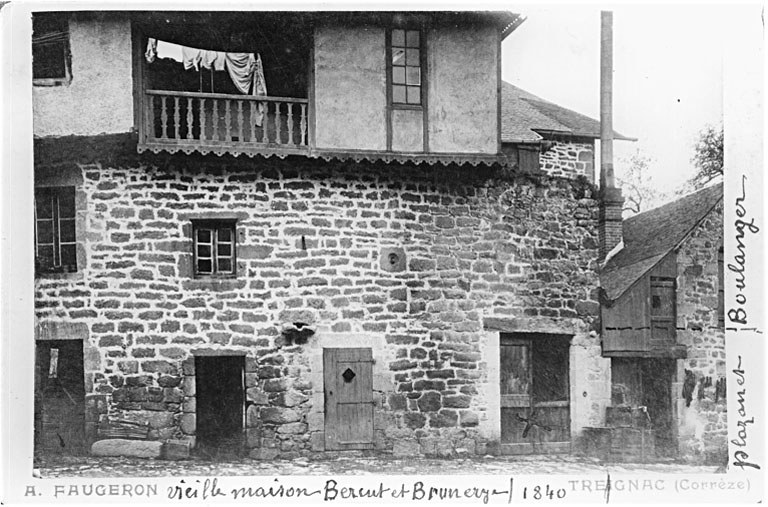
(278, 415)
(430, 402)
(128, 448)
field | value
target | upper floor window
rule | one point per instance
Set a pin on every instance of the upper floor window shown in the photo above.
(406, 66)
(214, 247)
(55, 241)
(50, 48)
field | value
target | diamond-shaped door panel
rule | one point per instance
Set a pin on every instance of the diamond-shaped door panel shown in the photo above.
(348, 375)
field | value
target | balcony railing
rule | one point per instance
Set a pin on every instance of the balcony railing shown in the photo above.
(222, 123)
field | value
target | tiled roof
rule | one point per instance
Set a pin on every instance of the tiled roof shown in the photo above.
(527, 118)
(650, 236)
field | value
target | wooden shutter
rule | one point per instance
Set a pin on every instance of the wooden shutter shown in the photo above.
(348, 385)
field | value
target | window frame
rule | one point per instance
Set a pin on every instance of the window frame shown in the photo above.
(423, 83)
(55, 193)
(66, 55)
(214, 225)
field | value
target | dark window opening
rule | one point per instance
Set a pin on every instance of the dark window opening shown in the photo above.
(214, 248)
(50, 48)
(406, 66)
(55, 239)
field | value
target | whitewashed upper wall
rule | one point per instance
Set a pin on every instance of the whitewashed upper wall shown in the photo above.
(350, 88)
(463, 89)
(351, 95)
(99, 98)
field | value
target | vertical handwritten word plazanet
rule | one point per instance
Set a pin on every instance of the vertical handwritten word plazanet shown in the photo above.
(741, 456)
(737, 314)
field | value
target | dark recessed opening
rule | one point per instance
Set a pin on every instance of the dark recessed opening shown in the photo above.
(220, 404)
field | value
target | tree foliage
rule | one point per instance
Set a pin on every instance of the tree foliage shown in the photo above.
(640, 191)
(707, 156)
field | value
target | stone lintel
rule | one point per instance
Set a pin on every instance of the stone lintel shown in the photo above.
(217, 352)
(55, 330)
(533, 325)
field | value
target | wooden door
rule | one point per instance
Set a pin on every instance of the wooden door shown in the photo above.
(348, 384)
(535, 401)
(60, 404)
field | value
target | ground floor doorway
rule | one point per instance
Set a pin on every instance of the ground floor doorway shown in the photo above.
(535, 393)
(220, 405)
(348, 386)
(59, 397)
(647, 382)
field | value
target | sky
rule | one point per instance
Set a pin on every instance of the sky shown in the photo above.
(667, 81)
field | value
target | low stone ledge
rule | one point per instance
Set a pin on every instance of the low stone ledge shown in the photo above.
(128, 448)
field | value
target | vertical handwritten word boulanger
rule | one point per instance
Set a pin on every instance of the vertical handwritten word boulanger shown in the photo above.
(737, 314)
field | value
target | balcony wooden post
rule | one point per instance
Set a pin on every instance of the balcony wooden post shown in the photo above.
(202, 120)
(303, 124)
(163, 117)
(227, 121)
(189, 118)
(290, 123)
(176, 118)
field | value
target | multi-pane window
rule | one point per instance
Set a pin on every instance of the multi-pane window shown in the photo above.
(406, 66)
(214, 244)
(50, 47)
(55, 241)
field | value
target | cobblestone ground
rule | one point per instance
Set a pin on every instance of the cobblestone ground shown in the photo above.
(349, 465)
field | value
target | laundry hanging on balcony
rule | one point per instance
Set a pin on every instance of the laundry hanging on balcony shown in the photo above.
(245, 69)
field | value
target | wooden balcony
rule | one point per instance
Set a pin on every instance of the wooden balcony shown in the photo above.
(223, 124)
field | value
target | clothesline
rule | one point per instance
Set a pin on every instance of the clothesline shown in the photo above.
(245, 69)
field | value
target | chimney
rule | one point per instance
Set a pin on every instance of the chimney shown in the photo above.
(611, 200)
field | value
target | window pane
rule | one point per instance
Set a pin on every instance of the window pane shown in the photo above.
(225, 265)
(398, 37)
(203, 235)
(68, 255)
(204, 265)
(398, 75)
(45, 255)
(44, 206)
(412, 57)
(414, 95)
(67, 203)
(398, 56)
(225, 234)
(398, 94)
(413, 75)
(412, 39)
(204, 251)
(45, 231)
(225, 249)
(67, 230)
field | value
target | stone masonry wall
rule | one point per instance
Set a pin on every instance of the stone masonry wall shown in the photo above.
(569, 160)
(703, 429)
(310, 236)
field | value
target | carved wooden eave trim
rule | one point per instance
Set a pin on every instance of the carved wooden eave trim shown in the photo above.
(281, 152)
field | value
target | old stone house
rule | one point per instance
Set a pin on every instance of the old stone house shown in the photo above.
(347, 262)
(663, 329)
